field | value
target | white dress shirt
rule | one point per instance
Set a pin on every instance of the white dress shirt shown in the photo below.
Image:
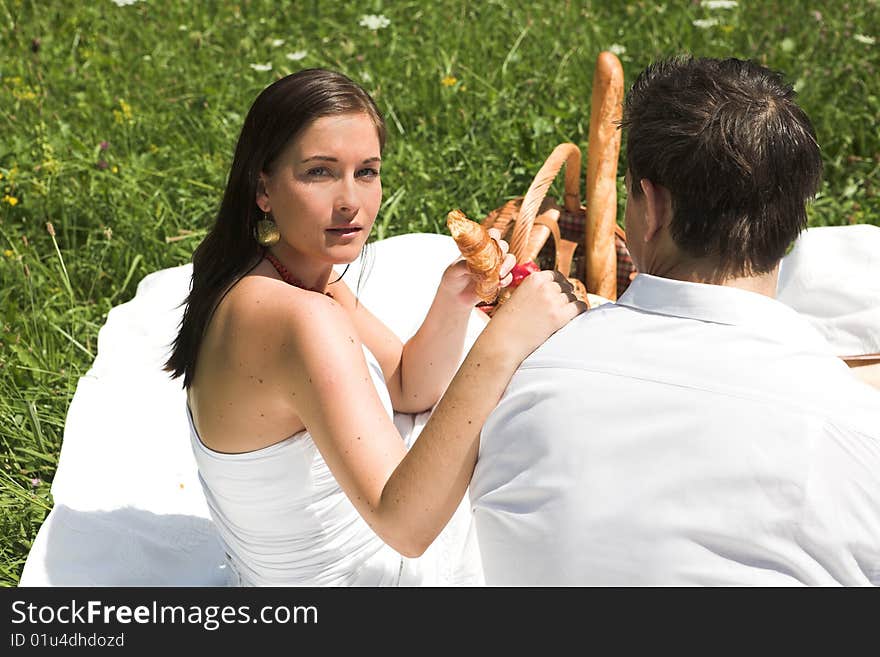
(689, 434)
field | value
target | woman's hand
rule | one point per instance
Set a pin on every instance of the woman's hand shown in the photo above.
(458, 283)
(542, 304)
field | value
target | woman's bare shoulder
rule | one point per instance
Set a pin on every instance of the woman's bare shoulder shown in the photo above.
(263, 297)
(265, 306)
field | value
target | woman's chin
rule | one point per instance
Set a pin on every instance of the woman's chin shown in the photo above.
(343, 254)
(343, 257)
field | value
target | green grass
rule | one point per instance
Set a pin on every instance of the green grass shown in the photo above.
(166, 85)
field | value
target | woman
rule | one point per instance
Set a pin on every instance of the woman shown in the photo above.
(291, 384)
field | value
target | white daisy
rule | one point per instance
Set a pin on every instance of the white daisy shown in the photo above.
(617, 49)
(262, 67)
(296, 56)
(277, 42)
(719, 4)
(374, 22)
(864, 38)
(124, 3)
(705, 23)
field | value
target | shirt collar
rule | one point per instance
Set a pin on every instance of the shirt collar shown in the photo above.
(721, 305)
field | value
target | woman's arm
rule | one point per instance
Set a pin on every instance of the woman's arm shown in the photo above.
(408, 497)
(432, 355)
(418, 372)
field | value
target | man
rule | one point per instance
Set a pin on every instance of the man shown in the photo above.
(696, 432)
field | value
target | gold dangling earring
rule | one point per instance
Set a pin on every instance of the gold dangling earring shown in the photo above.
(267, 233)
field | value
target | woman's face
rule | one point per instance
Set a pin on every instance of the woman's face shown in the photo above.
(325, 191)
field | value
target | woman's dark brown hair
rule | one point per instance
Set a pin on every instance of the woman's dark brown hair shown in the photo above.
(281, 111)
(736, 153)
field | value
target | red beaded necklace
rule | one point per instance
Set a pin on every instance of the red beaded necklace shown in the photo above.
(286, 276)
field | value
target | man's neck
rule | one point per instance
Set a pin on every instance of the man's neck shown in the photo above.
(699, 273)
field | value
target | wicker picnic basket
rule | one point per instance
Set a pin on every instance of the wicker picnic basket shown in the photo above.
(527, 223)
(587, 246)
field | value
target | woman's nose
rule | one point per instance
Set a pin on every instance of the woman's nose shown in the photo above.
(346, 200)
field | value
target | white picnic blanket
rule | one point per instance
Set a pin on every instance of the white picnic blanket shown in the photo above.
(129, 510)
(128, 507)
(832, 277)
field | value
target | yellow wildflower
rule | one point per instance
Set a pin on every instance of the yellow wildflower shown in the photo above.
(115, 169)
(10, 199)
(27, 94)
(9, 253)
(448, 81)
(51, 166)
(124, 113)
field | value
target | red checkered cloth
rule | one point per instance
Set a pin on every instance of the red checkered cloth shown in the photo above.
(571, 227)
(626, 270)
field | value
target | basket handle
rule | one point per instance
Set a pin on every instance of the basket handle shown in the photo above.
(566, 153)
(553, 227)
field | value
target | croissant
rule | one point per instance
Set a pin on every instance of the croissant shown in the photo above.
(480, 251)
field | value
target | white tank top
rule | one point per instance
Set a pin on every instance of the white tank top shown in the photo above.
(285, 521)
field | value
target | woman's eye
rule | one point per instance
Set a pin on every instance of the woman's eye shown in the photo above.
(368, 172)
(318, 171)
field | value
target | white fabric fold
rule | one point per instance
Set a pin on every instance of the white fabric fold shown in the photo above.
(832, 277)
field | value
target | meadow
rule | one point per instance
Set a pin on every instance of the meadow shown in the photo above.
(118, 119)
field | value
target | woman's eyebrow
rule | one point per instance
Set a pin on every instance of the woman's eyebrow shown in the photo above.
(329, 158)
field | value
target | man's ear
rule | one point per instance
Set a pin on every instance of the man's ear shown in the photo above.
(262, 198)
(658, 207)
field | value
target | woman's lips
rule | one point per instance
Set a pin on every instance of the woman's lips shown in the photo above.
(344, 231)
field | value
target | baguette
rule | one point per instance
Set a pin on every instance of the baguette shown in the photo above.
(603, 150)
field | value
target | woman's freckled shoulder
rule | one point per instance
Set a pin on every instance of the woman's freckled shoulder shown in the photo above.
(261, 296)
(267, 301)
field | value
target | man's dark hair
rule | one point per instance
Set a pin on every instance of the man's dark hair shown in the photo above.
(738, 156)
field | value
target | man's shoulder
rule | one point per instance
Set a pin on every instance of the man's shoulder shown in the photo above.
(607, 325)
